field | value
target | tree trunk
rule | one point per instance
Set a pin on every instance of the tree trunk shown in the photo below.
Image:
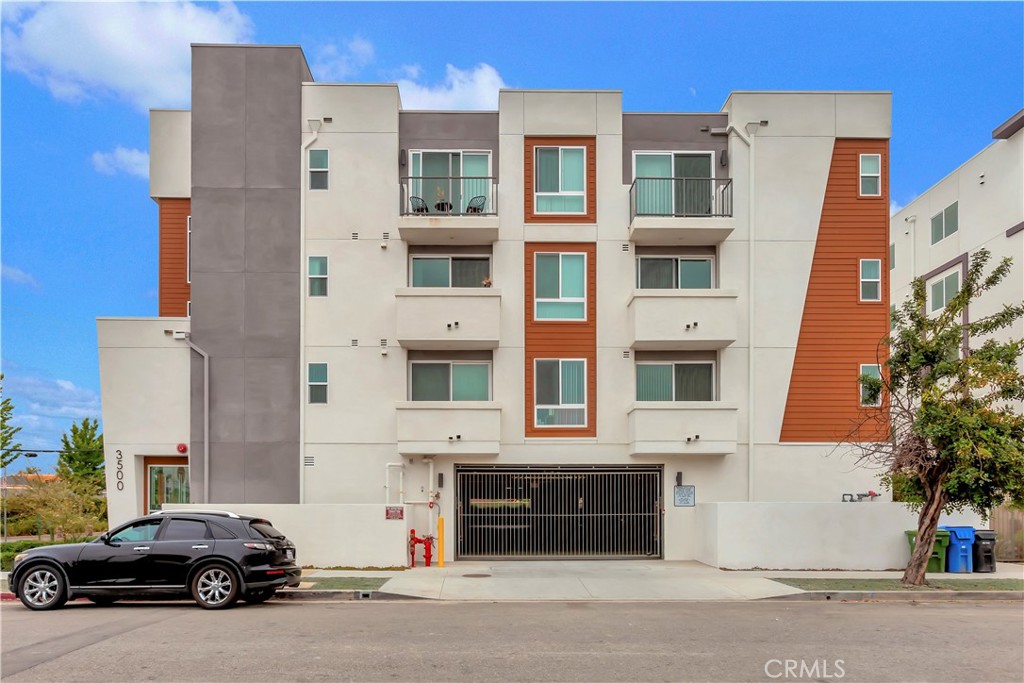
(927, 525)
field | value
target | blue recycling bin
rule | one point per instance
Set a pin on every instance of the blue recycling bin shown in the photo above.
(960, 554)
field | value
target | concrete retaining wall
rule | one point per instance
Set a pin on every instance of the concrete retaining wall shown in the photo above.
(808, 535)
(332, 535)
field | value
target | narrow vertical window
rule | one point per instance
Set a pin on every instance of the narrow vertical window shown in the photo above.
(870, 279)
(318, 276)
(892, 256)
(871, 175)
(317, 382)
(559, 287)
(869, 397)
(318, 169)
(560, 393)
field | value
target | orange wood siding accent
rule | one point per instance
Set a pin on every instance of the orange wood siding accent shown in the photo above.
(839, 332)
(590, 144)
(175, 291)
(558, 339)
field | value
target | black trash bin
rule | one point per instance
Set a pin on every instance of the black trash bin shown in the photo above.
(984, 550)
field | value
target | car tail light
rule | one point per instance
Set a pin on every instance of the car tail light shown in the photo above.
(258, 546)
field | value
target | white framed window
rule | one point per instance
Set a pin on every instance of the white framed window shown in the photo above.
(318, 276)
(449, 381)
(188, 253)
(675, 183)
(945, 222)
(892, 256)
(317, 380)
(319, 168)
(559, 183)
(450, 181)
(560, 392)
(867, 397)
(675, 381)
(870, 175)
(560, 286)
(450, 271)
(870, 279)
(675, 272)
(942, 290)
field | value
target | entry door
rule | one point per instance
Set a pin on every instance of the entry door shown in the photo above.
(167, 481)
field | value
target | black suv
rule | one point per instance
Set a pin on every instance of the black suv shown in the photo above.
(216, 557)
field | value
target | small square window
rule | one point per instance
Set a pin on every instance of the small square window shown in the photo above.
(318, 169)
(560, 180)
(317, 382)
(870, 279)
(943, 290)
(560, 393)
(318, 276)
(870, 175)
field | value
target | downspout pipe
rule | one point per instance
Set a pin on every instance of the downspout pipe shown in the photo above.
(751, 404)
(314, 125)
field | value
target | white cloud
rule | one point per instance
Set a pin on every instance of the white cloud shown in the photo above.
(693, 91)
(333, 64)
(122, 160)
(137, 52)
(475, 88)
(18, 276)
(45, 408)
(894, 207)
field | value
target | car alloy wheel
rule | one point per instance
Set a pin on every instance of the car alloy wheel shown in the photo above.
(214, 587)
(42, 588)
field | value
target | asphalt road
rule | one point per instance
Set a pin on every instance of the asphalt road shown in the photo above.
(437, 641)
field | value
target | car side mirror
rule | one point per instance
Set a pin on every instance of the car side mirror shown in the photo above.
(106, 539)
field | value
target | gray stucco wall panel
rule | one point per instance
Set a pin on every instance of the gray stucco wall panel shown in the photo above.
(227, 399)
(272, 117)
(271, 472)
(227, 472)
(448, 130)
(270, 246)
(269, 395)
(218, 117)
(218, 320)
(218, 232)
(272, 318)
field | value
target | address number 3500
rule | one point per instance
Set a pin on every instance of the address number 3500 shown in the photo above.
(120, 470)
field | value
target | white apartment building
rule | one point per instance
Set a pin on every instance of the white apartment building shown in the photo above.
(569, 330)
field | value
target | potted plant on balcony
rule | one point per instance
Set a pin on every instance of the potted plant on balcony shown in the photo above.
(441, 205)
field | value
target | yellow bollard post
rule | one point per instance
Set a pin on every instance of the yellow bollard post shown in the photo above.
(440, 541)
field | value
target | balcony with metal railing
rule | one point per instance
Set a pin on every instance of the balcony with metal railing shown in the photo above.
(448, 210)
(680, 210)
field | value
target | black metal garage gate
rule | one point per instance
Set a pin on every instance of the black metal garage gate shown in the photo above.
(559, 512)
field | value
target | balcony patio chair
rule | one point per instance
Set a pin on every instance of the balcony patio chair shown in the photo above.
(418, 205)
(476, 204)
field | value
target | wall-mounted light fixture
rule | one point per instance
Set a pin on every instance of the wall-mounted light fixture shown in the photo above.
(679, 478)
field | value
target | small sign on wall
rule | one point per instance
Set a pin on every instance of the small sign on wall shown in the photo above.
(394, 512)
(685, 496)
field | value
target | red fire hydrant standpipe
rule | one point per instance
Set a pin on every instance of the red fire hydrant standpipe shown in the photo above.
(428, 548)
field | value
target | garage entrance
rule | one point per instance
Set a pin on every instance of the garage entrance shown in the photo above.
(575, 512)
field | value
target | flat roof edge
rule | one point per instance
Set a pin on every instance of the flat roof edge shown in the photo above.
(1007, 128)
(559, 90)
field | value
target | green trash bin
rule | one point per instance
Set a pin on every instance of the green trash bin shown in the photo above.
(937, 562)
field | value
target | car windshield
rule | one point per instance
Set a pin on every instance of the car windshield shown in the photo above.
(263, 528)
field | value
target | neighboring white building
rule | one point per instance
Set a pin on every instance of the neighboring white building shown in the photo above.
(978, 205)
(572, 331)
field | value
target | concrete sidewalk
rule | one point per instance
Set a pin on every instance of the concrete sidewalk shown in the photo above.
(638, 580)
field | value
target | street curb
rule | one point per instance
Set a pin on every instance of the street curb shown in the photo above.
(901, 596)
(330, 595)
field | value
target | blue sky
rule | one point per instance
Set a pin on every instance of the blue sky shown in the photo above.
(79, 232)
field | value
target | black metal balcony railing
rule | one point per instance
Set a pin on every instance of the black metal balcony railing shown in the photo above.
(448, 196)
(680, 197)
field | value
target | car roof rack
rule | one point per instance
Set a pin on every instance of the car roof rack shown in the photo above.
(197, 512)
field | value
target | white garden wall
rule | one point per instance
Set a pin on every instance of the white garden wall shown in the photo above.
(808, 535)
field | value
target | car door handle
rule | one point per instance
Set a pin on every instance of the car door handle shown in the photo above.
(141, 547)
(200, 547)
